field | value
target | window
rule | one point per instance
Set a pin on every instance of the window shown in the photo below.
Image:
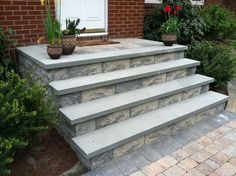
(197, 2)
(153, 1)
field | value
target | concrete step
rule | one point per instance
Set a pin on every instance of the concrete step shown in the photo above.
(97, 108)
(100, 146)
(72, 85)
(127, 49)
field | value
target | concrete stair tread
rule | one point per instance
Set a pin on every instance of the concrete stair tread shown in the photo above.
(89, 110)
(107, 138)
(38, 54)
(67, 86)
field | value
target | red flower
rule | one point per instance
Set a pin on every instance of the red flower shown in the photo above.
(178, 8)
(175, 12)
(167, 9)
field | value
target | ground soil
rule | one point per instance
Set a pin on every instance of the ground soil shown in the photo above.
(49, 155)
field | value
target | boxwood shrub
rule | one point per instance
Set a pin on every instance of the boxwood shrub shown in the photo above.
(217, 61)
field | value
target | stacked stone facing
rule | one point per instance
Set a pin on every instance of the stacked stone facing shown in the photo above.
(115, 104)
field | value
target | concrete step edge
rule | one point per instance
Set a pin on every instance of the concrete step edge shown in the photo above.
(79, 112)
(62, 87)
(110, 137)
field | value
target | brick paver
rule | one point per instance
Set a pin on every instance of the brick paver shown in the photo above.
(184, 154)
(213, 154)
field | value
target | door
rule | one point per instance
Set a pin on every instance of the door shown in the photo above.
(92, 13)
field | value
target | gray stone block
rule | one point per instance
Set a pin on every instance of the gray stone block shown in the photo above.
(179, 55)
(191, 93)
(140, 109)
(57, 74)
(69, 99)
(191, 71)
(154, 80)
(116, 65)
(85, 70)
(129, 85)
(205, 114)
(85, 127)
(96, 93)
(164, 57)
(137, 62)
(205, 88)
(170, 100)
(131, 146)
(101, 159)
(112, 118)
(176, 75)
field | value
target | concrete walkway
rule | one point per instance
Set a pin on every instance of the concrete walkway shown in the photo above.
(207, 148)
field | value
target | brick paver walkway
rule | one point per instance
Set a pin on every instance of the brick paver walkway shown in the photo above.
(214, 154)
(206, 148)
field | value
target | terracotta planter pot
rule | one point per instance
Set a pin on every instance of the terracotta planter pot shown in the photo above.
(54, 51)
(168, 39)
(68, 44)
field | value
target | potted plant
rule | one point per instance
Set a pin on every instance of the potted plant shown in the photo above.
(53, 31)
(69, 39)
(170, 28)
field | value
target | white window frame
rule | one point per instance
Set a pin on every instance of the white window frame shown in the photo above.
(153, 1)
(201, 2)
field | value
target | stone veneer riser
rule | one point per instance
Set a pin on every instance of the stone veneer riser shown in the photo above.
(153, 136)
(121, 115)
(100, 92)
(47, 76)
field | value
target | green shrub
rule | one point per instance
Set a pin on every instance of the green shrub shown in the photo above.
(192, 25)
(221, 23)
(5, 60)
(25, 110)
(216, 61)
(152, 23)
(7, 151)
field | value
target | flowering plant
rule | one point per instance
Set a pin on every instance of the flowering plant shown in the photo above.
(171, 26)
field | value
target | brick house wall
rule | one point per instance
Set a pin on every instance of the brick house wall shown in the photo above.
(125, 18)
(24, 17)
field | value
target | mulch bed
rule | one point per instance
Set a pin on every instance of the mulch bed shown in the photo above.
(49, 155)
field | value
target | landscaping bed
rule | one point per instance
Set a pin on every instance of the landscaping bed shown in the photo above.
(49, 155)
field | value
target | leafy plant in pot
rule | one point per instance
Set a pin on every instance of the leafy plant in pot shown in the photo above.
(170, 28)
(69, 40)
(53, 31)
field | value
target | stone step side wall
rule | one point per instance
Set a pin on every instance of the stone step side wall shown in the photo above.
(103, 158)
(46, 76)
(115, 117)
(101, 92)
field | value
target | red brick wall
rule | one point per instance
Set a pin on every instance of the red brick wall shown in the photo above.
(24, 17)
(125, 18)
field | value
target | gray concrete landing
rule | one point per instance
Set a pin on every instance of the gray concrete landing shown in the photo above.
(127, 48)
